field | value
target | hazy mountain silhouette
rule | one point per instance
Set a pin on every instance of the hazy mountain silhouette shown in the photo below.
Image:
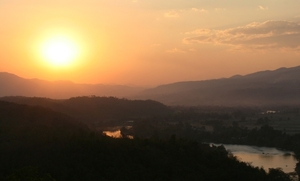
(281, 86)
(12, 85)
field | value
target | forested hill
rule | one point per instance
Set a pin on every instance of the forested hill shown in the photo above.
(26, 125)
(265, 88)
(37, 143)
(100, 110)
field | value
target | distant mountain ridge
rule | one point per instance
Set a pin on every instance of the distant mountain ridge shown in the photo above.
(281, 86)
(264, 88)
(12, 85)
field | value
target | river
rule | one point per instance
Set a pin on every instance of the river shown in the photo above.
(264, 157)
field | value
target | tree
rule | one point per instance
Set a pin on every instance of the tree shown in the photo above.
(276, 174)
(29, 174)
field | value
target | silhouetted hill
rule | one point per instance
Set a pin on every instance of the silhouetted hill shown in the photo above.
(24, 125)
(39, 144)
(281, 86)
(98, 110)
(12, 85)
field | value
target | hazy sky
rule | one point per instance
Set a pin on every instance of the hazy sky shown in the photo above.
(150, 42)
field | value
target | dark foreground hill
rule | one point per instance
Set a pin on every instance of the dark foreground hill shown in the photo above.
(101, 111)
(12, 85)
(40, 144)
(278, 87)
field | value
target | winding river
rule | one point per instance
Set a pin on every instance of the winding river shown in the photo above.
(264, 157)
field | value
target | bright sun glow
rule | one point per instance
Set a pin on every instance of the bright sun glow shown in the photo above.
(59, 51)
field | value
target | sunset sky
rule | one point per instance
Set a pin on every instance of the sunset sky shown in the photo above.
(148, 42)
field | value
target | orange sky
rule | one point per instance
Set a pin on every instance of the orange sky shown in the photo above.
(141, 42)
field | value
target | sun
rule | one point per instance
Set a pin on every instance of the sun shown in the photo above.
(59, 51)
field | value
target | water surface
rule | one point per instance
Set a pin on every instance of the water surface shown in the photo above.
(265, 157)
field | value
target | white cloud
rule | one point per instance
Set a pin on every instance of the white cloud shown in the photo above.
(199, 10)
(199, 31)
(269, 34)
(263, 8)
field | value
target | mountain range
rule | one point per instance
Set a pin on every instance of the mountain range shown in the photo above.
(264, 88)
(13, 85)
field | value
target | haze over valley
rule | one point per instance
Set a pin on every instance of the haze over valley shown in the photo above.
(265, 88)
(154, 90)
